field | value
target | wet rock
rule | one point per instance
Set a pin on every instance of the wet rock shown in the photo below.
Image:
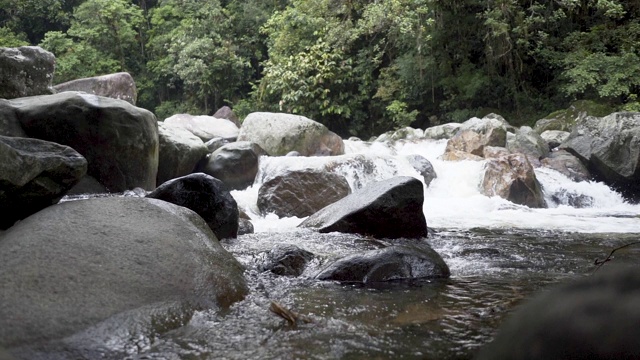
(225, 112)
(361, 167)
(87, 185)
(554, 137)
(445, 131)
(26, 71)
(34, 174)
(293, 153)
(610, 148)
(423, 166)
(484, 252)
(512, 178)
(529, 143)
(235, 164)
(286, 260)
(396, 262)
(119, 140)
(387, 209)
(205, 195)
(573, 199)
(301, 193)
(406, 133)
(594, 317)
(278, 134)
(245, 226)
(94, 274)
(204, 127)
(180, 152)
(567, 164)
(116, 86)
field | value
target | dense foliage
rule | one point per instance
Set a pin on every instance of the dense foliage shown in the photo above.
(361, 67)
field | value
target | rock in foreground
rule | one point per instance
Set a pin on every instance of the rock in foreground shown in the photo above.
(386, 209)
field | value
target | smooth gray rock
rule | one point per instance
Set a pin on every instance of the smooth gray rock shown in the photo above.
(204, 127)
(423, 166)
(444, 131)
(528, 142)
(180, 152)
(235, 164)
(119, 140)
(26, 71)
(205, 195)
(99, 273)
(387, 209)
(594, 317)
(396, 262)
(34, 174)
(116, 86)
(279, 134)
(301, 193)
(567, 164)
(554, 137)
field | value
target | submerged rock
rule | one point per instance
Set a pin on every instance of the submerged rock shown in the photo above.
(512, 178)
(388, 209)
(205, 195)
(396, 262)
(286, 260)
(98, 273)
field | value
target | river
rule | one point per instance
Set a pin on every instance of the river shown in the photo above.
(499, 254)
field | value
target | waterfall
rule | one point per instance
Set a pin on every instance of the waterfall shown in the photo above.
(453, 199)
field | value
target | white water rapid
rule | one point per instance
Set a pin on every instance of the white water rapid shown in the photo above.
(453, 200)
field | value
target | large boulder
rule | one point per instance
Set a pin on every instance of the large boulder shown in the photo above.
(387, 209)
(225, 112)
(396, 262)
(205, 195)
(9, 123)
(567, 164)
(279, 134)
(34, 174)
(528, 142)
(445, 131)
(26, 71)
(204, 127)
(235, 164)
(474, 134)
(117, 86)
(554, 137)
(406, 133)
(594, 317)
(512, 178)
(119, 140)
(564, 120)
(180, 152)
(423, 167)
(100, 273)
(610, 148)
(301, 193)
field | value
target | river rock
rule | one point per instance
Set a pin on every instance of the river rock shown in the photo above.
(301, 193)
(116, 86)
(119, 140)
(476, 133)
(406, 133)
(610, 148)
(286, 260)
(528, 142)
(459, 155)
(492, 152)
(572, 198)
(26, 71)
(87, 185)
(279, 133)
(204, 127)
(487, 124)
(567, 164)
(564, 120)
(100, 273)
(205, 195)
(387, 209)
(34, 174)
(396, 262)
(9, 123)
(235, 164)
(225, 112)
(439, 132)
(216, 143)
(512, 177)
(593, 317)
(180, 152)
(554, 137)
(423, 166)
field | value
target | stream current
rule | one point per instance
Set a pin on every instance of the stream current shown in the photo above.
(499, 254)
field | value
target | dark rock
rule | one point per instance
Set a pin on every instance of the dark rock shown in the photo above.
(567, 164)
(206, 196)
(216, 143)
(98, 273)
(9, 123)
(236, 164)
(119, 86)
(388, 209)
(204, 127)
(87, 185)
(423, 166)
(119, 140)
(180, 152)
(397, 262)
(225, 112)
(512, 177)
(573, 199)
(245, 226)
(301, 193)
(594, 317)
(610, 148)
(34, 174)
(286, 260)
(279, 134)
(26, 71)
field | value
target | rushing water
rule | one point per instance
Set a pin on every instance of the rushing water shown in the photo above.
(499, 254)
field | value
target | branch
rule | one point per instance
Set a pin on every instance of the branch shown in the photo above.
(599, 262)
